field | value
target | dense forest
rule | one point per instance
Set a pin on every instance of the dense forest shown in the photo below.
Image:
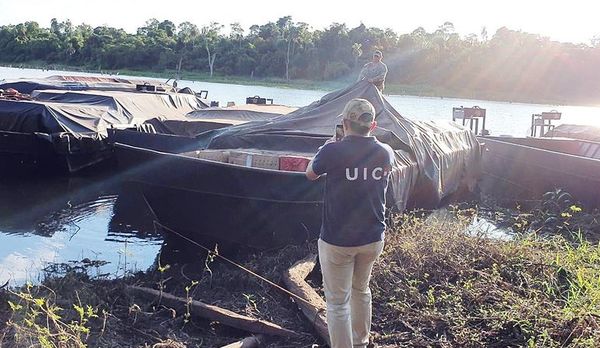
(508, 65)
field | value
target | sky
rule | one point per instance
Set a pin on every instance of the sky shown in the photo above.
(566, 21)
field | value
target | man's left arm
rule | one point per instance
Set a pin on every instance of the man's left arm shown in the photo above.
(310, 172)
(318, 165)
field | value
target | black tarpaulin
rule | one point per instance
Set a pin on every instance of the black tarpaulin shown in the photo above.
(242, 113)
(78, 83)
(431, 158)
(158, 104)
(49, 118)
(74, 112)
(203, 120)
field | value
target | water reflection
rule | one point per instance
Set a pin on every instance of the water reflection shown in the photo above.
(131, 216)
(481, 227)
(80, 220)
(56, 220)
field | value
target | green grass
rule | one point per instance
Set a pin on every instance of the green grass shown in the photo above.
(437, 286)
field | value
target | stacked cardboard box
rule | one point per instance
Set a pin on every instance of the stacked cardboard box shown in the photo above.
(293, 163)
(211, 155)
(254, 159)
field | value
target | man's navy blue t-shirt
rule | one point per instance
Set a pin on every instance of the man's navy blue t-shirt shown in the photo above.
(357, 171)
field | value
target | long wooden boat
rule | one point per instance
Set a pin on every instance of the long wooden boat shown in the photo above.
(198, 197)
(526, 168)
(239, 202)
(61, 131)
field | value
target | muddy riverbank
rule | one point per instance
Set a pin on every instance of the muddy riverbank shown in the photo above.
(435, 285)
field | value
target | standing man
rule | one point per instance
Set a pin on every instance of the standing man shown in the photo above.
(375, 71)
(358, 169)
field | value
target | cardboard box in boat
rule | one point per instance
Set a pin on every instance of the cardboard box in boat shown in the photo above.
(292, 163)
(254, 159)
(211, 155)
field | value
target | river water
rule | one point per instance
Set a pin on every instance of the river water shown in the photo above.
(61, 220)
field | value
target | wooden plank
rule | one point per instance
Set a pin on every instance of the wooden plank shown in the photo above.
(315, 309)
(221, 315)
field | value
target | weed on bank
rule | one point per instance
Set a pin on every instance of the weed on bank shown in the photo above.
(436, 285)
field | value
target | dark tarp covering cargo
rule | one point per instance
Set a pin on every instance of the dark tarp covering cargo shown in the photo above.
(446, 155)
(211, 118)
(243, 113)
(78, 83)
(67, 130)
(74, 112)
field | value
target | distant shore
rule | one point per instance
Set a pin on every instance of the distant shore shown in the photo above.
(390, 89)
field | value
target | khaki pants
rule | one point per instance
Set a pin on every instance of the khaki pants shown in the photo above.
(346, 274)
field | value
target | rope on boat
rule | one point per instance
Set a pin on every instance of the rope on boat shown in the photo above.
(212, 253)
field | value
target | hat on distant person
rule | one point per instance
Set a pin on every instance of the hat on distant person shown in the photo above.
(359, 111)
(378, 53)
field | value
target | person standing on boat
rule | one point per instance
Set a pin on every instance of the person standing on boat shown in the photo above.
(375, 71)
(352, 232)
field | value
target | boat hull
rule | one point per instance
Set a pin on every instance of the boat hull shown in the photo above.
(43, 154)
(204, 199)
(526, 168)
(237, 220)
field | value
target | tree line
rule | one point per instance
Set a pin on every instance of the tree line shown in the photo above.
(508, 65)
